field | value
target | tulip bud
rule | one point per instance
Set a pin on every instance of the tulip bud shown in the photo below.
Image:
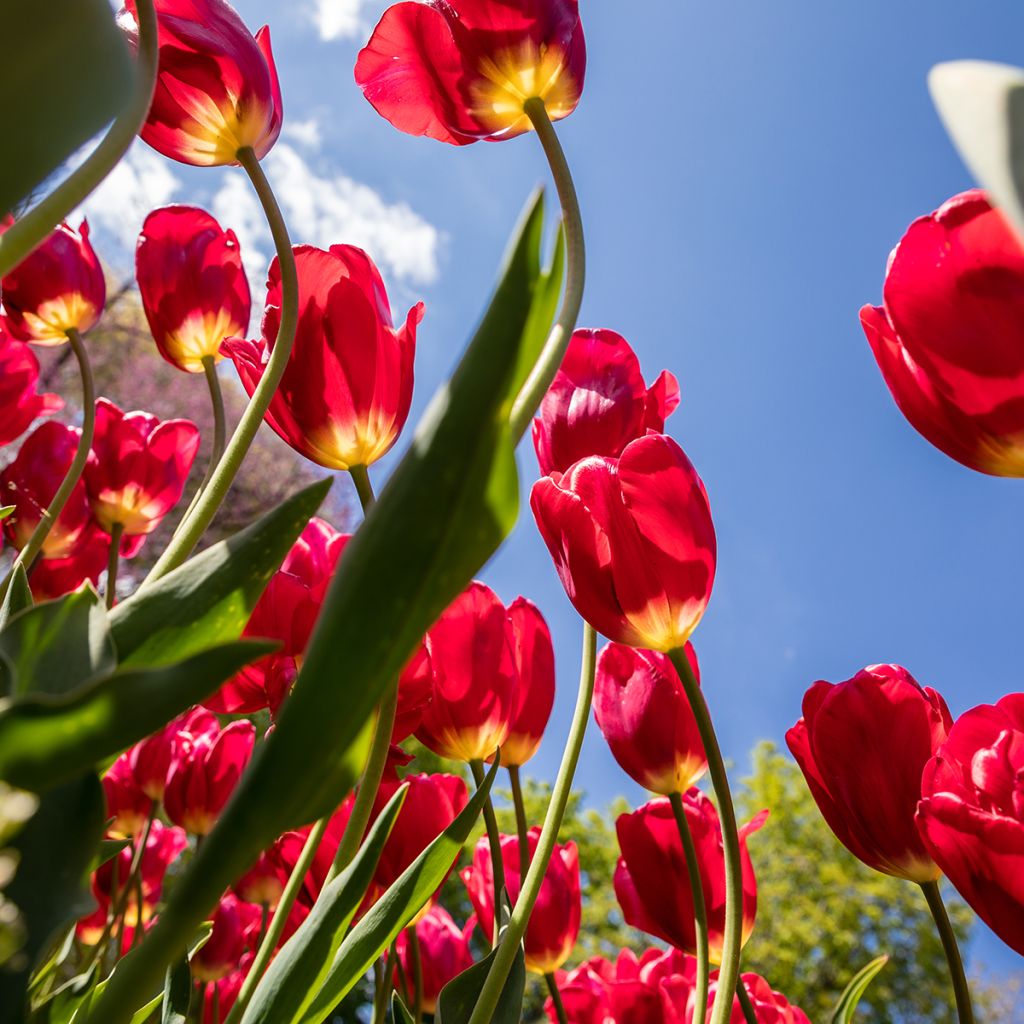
(534, 658)
(127, 804)
(458, 71)
(152, 759)
(20, 403)
(235, 927)
(444, 953)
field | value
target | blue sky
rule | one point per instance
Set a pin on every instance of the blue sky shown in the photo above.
(744, 171)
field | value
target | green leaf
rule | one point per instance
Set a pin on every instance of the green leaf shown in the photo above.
(854, 992)
(208, 600)
(399, 1011)
(396, 908)
(55, 850)
(294, 978)
(18, 596)
(71, 73)
(108, 850)
(46, 740)
(6, 511)
(458, 998)
(177, 993)
(982, 107)
(56, 647)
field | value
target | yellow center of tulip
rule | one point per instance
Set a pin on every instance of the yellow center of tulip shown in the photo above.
(200, 335)
(215, 133)
(341, 446)
(50, 323)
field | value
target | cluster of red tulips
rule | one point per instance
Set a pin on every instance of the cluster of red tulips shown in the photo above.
(624, 516)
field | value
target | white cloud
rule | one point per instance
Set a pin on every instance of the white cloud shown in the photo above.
(305, 133)
(337, 19)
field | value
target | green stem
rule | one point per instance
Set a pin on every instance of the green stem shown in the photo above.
(113, 560)
(195, 524)
(551, 356)
(380, 992)
(219, 422)
(700, 915)
(417, 973)
(361, 478)
(29, 230)
(556, 998)
(403, 982)
(28, 553)
(494, 842)
(522, 831)
(961, 990)
(732, 942)
(743, 996)
(487, 1001)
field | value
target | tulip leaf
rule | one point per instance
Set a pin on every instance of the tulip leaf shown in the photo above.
(54, 850)
(177, 993)
(46, 740)
(297, 972)
(982, 107)
(397, 907)
(6, 511)
(56, 647)
(55, 113)
(854, 992)
(399, 1011)
(18, 596)
(209, 599)
(459, 997)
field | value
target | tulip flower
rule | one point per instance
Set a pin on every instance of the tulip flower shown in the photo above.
(462, 70)
(235, 928)
(205, 773)
(633, 542)
(55, 577)
(127, 804)
(769, 1006)
(220, 996)
(20, 403)
(534, 658)
(137, 468)
(193, 286)
(152, 759)
(264, 883)
(862, 745)
(444, 954)
(57, 288)
(555, 922)
(598, 402)
(643, 712)
(475, 682)
(345, 394)
(651, 881)
(948, 338)
(216, 89)
(971, 815)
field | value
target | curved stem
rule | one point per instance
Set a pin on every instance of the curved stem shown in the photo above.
(550, 358)
(49, 516)
(113, 559)
(361, 478)
(483, 1012)
(279, 920)
(29, 230)
(494, 842)
(743, 997)
(522, 829)
(417, 973)
(732, 940)
(219, 424)
(961, 990)
(700, 915)
(556, 998)
(196, 522)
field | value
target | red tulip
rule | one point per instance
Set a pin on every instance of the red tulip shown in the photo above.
(948, 338)
(474, 678)
(769, 1007)
(216, 90)
(235, 929)
(153, 759)
(264, 883)
(137, 468)
(127, 804)
(598, 403)
(193, 286)
(57, 288)
(20, 403)
(633, 542)
(444, 953)
(643, 713)
(555, 922)
(971, 816)
(462, 70)
(205, 773)
(652, 883)
(220, 996)
(345, 394)
(862, 745)
(534, 658)
(415, 692)
(55, 577)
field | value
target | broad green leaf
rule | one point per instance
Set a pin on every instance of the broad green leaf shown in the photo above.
(177, 993)
(54, 849)
(6, 511)
(294, 978)
(854, 992)
(399, 1011)
(46, 740)
(396, 908)
(108, 850)
(17, 598)
(71, 73)
(458, 998)
(208, 600)
(982, 107)
(56, 647)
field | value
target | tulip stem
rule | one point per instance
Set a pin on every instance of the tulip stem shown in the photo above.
(961, 990)
(556, 998)
(196, 522)
(417, 973)
(733, 933)
(219, 424)
(494, 842)
(361, 478)
(113, 559)
(27, 555)
(279, 920)
(494, 983)
(522, 831)
(28, 231)
(743, 997)
(550, 358)
(700, 915)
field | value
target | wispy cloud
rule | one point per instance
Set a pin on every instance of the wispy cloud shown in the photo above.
(306, 133)
(337, 19)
